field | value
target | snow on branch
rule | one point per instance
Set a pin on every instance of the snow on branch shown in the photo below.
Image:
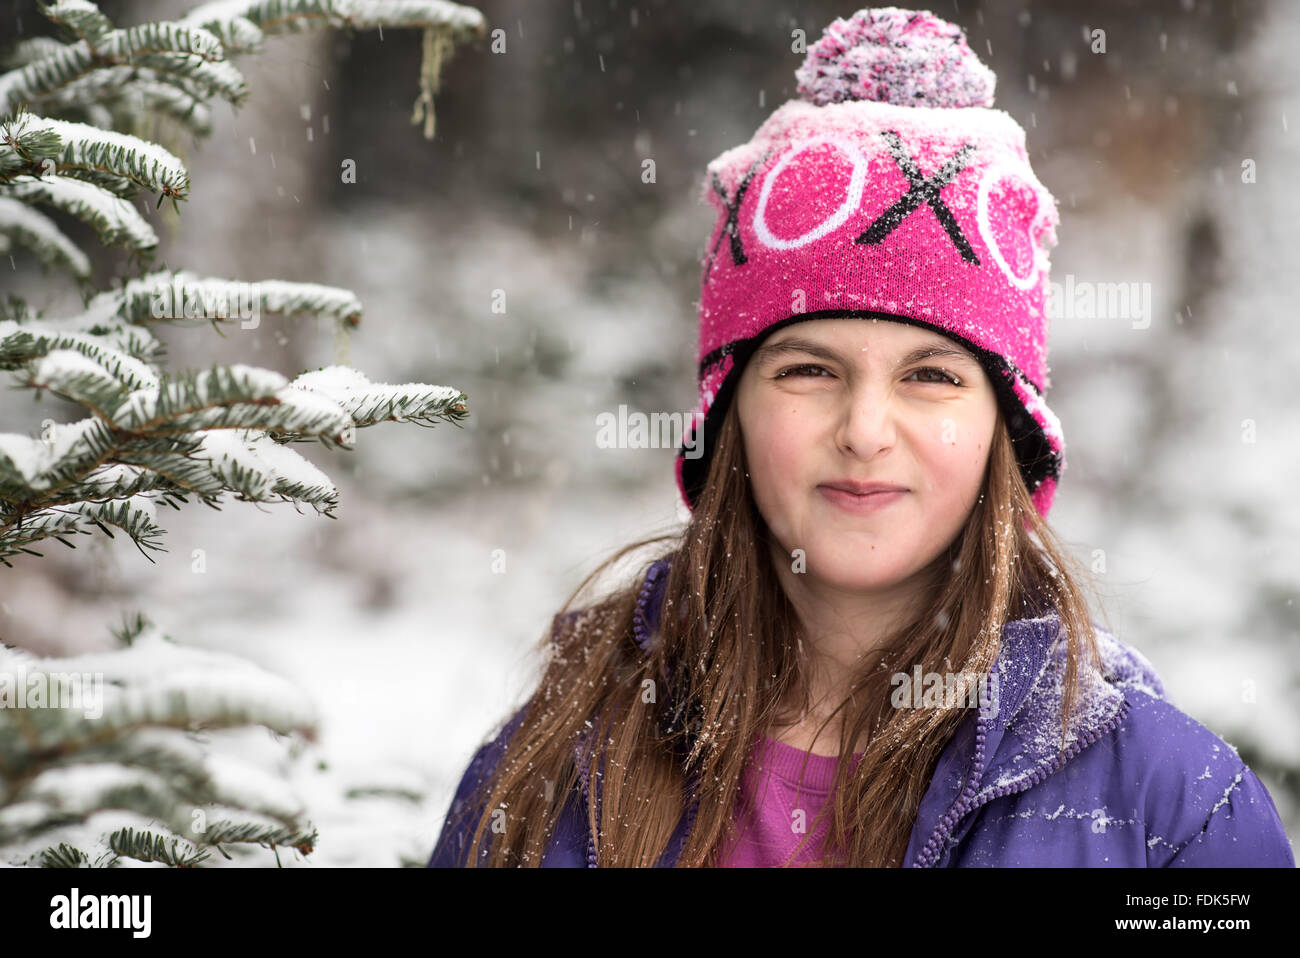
(124, 351)
(294, 16)
(79, 149)
(118, 222)
(76, 376)
(135, 90)
(113, 731)
(182, 294)
(38, 464)
(235, 396)
(260, 469)
(369, 403)
(37, 232)
(80, 16)
(240, 24)
(193, 56)
(31, 49)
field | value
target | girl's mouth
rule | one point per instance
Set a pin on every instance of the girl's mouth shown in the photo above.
(861, 505)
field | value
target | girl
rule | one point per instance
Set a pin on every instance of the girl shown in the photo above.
(867, 647)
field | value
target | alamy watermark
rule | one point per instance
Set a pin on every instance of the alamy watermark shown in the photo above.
(1089, 300)
(656, 430)
(21, 689)
(920, 689)
(208, 300)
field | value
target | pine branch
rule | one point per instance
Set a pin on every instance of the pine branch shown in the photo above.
(123, 745)
(134, 516)
(202, 432)
(182, 853)
(47, 465)
(148, 847)
(369, 403)
(186, 52)
(260, 470)
(119, 95)
(37, 146)
(235, 22)
(77, 377)
(128, 352)
(175, 295)
(38, 233)
(153, 437)
(30, 50)
(132, 628)
(192, 53)
(64, 856)
(268, 836)
(118, 222)
(82, 18)
(73, 794)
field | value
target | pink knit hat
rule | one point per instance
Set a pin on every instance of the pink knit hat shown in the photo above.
(890, 190)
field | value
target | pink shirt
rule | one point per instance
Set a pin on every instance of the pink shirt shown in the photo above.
(767, 837)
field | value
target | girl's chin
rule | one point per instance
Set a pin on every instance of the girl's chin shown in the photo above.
(856, 585)
(858, 575)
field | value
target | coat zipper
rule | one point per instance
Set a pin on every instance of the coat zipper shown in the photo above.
(965, 804)
(641, 632)
(591, 841)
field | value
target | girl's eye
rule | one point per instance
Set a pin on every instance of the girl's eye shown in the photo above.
(796, 369)
(949, 377)
(943, 375)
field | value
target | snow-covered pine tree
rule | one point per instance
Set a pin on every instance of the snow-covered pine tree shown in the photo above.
(120, 771)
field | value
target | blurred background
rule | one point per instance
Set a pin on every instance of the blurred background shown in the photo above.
(1181, 432)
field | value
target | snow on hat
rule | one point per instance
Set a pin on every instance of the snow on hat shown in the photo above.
(890, 190)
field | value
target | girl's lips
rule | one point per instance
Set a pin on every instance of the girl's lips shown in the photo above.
(861, 505)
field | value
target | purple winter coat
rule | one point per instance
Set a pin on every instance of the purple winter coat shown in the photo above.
(1142, 784)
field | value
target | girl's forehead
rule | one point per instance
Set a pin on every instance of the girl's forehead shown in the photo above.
(862, 334)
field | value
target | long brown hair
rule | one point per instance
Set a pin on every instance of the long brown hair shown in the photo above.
(725, 654)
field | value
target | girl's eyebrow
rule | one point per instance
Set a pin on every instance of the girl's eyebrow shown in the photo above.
(795, 345)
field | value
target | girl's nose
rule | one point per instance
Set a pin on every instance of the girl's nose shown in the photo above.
(867, 422)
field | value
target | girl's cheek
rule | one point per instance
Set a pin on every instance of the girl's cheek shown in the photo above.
(956, 440)
(776, 462)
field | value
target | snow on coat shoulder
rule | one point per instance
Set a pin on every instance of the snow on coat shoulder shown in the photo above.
(1155, 788)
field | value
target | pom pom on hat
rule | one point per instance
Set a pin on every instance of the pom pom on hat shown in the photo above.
(891, 55)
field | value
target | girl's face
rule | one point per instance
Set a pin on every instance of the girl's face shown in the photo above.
(831, 401)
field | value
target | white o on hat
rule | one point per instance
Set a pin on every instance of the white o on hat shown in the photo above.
(857, 183)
